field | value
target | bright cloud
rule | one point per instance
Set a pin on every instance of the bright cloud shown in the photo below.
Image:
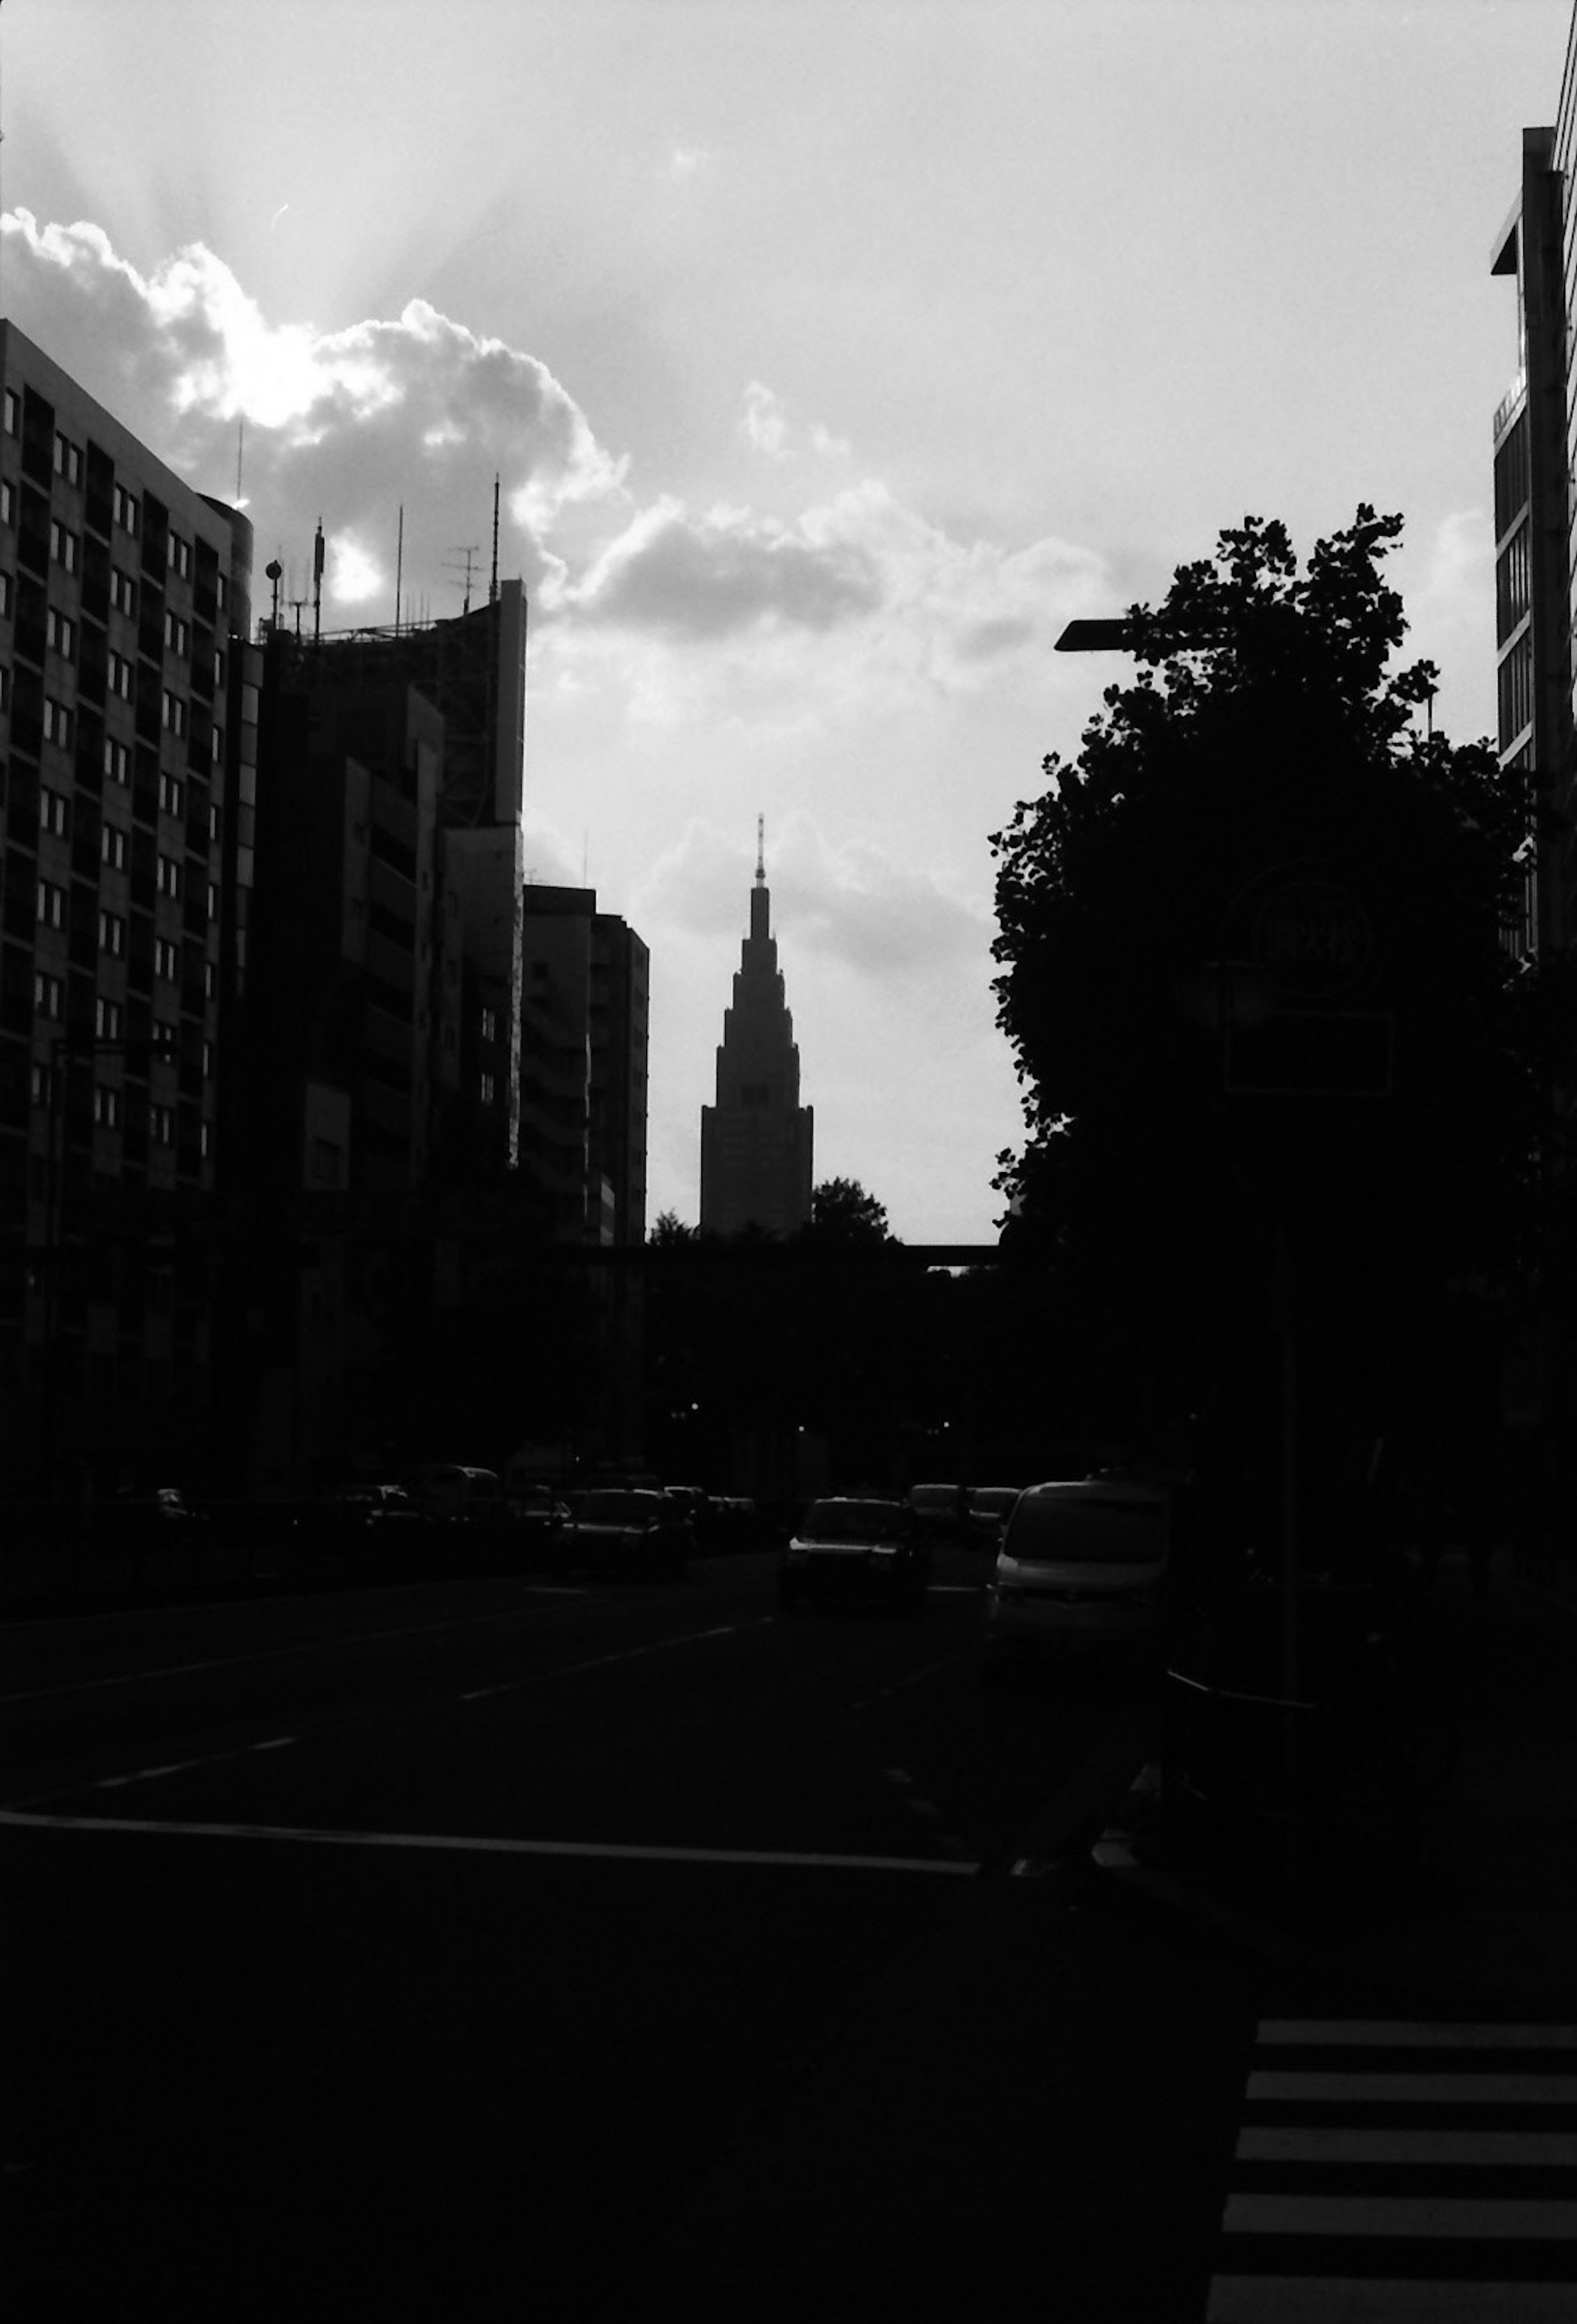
(415, 409)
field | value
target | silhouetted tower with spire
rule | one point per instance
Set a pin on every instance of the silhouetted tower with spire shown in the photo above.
(756, 1140)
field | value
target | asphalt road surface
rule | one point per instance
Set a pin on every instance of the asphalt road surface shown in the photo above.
(485, 1948)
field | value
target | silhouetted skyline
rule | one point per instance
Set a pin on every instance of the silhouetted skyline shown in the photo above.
(828, 370)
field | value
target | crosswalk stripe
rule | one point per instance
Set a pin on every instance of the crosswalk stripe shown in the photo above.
(1385, 2300)
(1416, 2089)
(1503, 2199)
(1486, 2149)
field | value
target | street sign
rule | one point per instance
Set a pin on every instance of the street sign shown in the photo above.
(1312, 938)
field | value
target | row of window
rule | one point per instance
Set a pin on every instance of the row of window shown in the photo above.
(60, 720)
(125, 507)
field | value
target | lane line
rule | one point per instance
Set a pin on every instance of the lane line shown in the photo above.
(463, 1844)
(1428, 2090)
(1419, 2216)
(1482, 2149)
(1390, 2033)
(355, 1638)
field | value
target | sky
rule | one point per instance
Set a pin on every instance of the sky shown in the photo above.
(832, 357)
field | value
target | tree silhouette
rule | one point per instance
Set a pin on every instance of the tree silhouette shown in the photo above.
(1266, 770)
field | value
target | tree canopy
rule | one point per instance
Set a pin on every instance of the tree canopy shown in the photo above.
(842, 1211)
(1267, 779)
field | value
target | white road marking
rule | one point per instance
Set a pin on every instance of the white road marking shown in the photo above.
(1432, 2216)
(466, 1844)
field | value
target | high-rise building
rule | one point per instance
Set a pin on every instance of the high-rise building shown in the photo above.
(127, 772)
(1535, 513)
(756, 1140)
(584, 1016)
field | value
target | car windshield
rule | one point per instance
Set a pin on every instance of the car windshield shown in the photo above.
(853, 1521)
(616, 1508)
(1053, 1529)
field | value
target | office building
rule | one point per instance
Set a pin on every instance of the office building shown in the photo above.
(756, 1140)
(584, 1019)
(127, 726)
(1535, 571)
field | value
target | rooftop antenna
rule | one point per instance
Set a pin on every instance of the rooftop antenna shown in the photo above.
(761, 849)
(450, 563)
(275, 572)
(318, 583)
(492, 584)
(398, 565)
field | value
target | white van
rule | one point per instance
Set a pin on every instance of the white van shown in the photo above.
(1082, 1566)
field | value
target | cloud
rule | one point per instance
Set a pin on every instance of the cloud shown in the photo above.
(709, 576)
(414, 409)
(764, 425)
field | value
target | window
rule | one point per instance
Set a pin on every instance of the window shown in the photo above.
(205, 1140)
(111, 934)
(167, 960)
(210, 979)
(63, 547)
(5, 593)
(177, 635)
(51, 905)
(167, 876)
(51, 812)
(107, 1019)
(161, 1124)
(213, 821)
(122, 592)
(61, 633)
(487, 1087)
(121, 678)
(106, 1107)
(181, 556)
(169, 795)
(207, 1061)
(111, 847)
(224, 592)
(68, 459)
(4, 689)
(7, 504)
(216, 742)
(40, 1083)
(490, 1024)
(49, 996)
(174, 713)
(213, 901)
(13, 412)
(126, 511)
(117, 762)
(57, 723)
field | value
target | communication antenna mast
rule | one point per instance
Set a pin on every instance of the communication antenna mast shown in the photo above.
(760, 847)
(318, 583)
(492, 584)
(452, 564)
(398, 565)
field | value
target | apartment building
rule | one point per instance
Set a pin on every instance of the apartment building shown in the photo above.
(127, 771)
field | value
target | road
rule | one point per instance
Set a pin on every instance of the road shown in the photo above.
(479, 1947)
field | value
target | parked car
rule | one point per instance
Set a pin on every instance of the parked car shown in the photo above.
(378, 1522)
(619, 1528)
(468, 1508)
(990, 1507)
(1083, 1567)
(539, 1518)
(938, 1510)
(845, 1547)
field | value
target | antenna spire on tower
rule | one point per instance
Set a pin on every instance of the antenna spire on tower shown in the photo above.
(760, 847)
